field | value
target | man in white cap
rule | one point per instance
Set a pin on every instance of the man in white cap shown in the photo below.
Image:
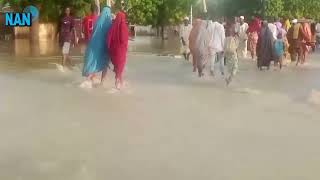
(294, 41)
(185, 30)
(243, 38)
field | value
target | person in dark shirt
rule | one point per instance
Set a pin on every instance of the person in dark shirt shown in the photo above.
(67, 35)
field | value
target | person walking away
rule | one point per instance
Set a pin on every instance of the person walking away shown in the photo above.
(296, 36)
(96, 57)
(67, 35)
(216, 33)
(253, 31)
(117, 43)
(283, 34)
(89, 22)
(202, 48)
(274, 30)
(243, 38)
(230, 54)
(292, 36)
(185, 30)
(192, 42)
(279, 47)
(265, 47)
(306, 41)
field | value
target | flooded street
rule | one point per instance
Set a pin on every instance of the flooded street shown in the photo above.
(166, 125)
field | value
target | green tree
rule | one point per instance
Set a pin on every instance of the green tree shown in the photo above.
(50, 10)
(274, 8)
(142, 12)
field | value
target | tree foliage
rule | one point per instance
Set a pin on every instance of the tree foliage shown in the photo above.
(165, 12)
(50, 10)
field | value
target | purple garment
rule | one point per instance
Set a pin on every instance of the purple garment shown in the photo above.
(278, 24)
(283, 33)
(65, 31)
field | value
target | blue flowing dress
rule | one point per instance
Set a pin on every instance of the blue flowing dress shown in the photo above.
(96, 57)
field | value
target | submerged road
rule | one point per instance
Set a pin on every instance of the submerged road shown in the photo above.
(166, 125)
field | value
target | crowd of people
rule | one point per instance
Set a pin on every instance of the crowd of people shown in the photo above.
(106, 37)
(223, 42)
(218, 42)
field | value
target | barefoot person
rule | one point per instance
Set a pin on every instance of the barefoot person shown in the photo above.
(253, 34)
(217, 38)
(117, 43)
(230, 53)
(296, 37)
(279, 47)
(192, 42)
(67, 34)
(185, 30)
(265, 47)
(202, 47)
(96, 57)
(243, 38)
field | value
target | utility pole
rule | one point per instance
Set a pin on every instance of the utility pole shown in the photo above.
(191, 14)
(205, 6)
(205, 10)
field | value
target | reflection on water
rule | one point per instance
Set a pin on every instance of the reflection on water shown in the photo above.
(28, 47)
(155, 45)
(49, 47)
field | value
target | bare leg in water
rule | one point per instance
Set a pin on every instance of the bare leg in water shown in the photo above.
(88, 83)
(66, 61)
(119, 83)
(104, 74)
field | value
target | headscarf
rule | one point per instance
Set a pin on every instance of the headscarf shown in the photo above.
(254, 26)
(287, 25)
(88, 24)
(203, 39)
(118, 34)
(96, 57)
(278, 25)
(265, 46)
(194, 33)
(307, 31)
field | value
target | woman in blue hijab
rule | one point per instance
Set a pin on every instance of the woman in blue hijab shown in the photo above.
(96, 57)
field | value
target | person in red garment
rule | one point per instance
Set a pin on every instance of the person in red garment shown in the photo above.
(117, 43)
(89, 22)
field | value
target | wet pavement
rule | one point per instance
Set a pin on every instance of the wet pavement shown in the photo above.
(167, 124)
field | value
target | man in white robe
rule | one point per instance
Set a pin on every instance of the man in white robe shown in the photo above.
(217, 37)
(243, 38)
(185, 30)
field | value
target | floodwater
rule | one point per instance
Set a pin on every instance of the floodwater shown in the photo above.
(47, 47)
(167, 124)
